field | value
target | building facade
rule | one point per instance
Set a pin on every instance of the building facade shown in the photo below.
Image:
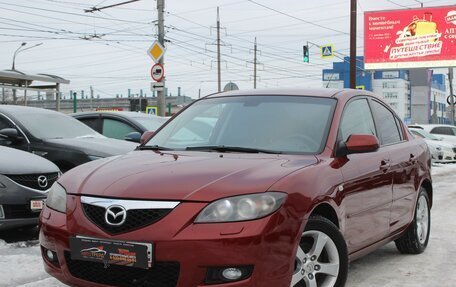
(411, 94)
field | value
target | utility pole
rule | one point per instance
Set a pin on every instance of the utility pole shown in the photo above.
(255, 64)
(161, 39)
(434, 111)
(57, 97)
(450, 79)
(353, 15)
(219, 71)
(91, 98)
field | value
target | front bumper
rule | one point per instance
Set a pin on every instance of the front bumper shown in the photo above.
(447, 156)
(15, 206)
(268, 245)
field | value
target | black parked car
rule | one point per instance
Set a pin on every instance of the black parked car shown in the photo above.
(57, 137)
(25, 180)
(121, 125)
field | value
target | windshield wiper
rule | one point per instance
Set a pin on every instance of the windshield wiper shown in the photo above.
(223, 148)
(153, 147)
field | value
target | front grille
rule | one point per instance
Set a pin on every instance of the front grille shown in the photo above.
(162, 274)
(19, 211)
(31, 180)
(136, 218)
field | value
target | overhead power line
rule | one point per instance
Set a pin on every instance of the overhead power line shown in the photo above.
(297, 18)
(93, 9)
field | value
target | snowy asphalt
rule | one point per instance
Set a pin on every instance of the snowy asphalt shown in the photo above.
(20, 262)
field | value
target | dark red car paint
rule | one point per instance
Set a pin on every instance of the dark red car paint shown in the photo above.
(371, 196)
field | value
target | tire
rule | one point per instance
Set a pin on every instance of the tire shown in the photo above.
(416, 237)
(321, 257)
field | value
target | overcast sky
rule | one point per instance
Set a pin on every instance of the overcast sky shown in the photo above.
(107, 49)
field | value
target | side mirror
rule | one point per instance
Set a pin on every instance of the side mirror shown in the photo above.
(358, 144)
(146, 136)
(10, 134)
(133, 137)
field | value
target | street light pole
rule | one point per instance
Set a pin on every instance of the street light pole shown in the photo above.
(13, 67)
(15, 53)
(19, 51)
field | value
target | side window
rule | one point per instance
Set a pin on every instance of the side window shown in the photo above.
(5, 123)
(386, 124)
(357, 119)
(443, 131)
(91, 122)
(116, 129)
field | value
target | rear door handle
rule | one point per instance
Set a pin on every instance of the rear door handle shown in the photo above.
(385, 165)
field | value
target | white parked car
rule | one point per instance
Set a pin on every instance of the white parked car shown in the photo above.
(446, 132)
(441, 150)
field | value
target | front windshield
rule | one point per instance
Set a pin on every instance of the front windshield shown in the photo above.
(281, 124)
(55, 125)
(425, 134)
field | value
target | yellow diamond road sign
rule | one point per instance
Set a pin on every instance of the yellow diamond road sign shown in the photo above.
(156, 51)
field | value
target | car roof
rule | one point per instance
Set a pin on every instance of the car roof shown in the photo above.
(17, 110)
(316, 92)
(430, 125)
(117, 113)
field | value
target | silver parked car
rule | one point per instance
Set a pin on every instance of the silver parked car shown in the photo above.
(25, 179)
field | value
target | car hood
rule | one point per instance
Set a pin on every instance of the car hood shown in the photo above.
(13, 162)
(192, 176)
(445, 144)
(97, 146)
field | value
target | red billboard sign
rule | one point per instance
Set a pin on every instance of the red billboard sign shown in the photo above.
(412, 38)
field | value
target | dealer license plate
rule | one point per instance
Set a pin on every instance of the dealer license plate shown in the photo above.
(36, 204)
(110, 252)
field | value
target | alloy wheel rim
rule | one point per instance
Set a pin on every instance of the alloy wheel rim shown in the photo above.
(317, 265)
(422, 219)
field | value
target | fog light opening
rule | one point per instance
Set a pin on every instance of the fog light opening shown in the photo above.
(2, 214)
(226, 274)
(232, 274)
(51, 256)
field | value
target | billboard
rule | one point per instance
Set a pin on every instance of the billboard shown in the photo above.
(412, 38)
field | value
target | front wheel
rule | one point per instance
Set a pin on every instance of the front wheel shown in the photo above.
(416, 237)
(321, 257)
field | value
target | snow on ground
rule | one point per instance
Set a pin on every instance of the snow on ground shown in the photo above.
(20, 263)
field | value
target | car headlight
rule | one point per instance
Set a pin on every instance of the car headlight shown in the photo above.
(240, 208)
(56, 198)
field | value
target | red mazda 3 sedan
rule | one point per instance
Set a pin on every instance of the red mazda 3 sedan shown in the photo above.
(264, 188)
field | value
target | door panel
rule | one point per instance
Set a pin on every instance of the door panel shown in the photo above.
(404, 167)
(367, 198)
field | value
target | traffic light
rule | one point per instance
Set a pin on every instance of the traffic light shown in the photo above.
(306, 53)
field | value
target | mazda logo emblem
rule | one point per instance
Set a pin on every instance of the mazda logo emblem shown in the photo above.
(42, 181)
(115, 215)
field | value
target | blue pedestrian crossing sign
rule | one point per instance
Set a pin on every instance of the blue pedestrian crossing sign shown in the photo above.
(151, 110)
(327, 51)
